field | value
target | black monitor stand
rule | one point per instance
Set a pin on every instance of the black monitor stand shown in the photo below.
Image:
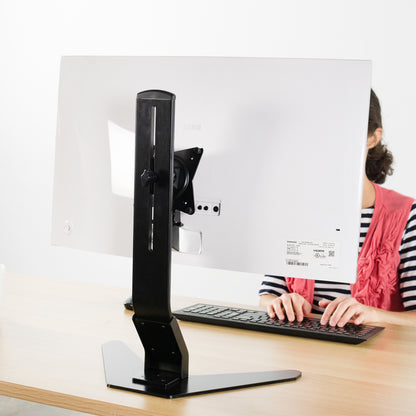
(165, 369)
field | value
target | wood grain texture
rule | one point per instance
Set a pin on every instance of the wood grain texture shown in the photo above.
(51, 332)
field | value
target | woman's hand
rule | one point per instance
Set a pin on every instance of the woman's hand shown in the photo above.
(346, 309)
(290, 305)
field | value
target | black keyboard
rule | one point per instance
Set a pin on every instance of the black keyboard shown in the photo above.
(260, 321)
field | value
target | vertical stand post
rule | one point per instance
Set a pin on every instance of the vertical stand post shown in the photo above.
(166, 357)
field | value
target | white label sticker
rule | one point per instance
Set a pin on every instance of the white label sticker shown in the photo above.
(304, 253)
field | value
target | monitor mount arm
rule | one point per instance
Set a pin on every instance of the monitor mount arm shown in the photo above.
(165, 370)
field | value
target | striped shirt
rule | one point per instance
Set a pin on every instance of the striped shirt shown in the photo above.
(276, 285)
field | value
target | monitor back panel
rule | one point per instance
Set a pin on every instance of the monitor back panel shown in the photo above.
(284, 146)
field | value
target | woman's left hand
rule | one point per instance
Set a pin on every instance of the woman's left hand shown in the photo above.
(346, 309)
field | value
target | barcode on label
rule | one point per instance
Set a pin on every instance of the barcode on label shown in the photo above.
(331, 253)
(296, 263)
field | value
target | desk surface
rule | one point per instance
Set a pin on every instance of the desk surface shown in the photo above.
(51, 332)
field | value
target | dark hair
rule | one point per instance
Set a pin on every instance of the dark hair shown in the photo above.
(379, 159)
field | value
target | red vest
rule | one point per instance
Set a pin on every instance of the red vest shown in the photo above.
(379, 259)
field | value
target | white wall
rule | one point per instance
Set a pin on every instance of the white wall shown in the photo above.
(33, 36)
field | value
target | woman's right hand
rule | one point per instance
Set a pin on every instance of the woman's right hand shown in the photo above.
(289, 305)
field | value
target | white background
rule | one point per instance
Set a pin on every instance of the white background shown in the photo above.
(34, 35)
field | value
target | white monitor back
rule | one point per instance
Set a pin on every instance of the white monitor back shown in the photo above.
(284, 146)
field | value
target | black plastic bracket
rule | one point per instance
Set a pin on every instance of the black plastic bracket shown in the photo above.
(185, 165)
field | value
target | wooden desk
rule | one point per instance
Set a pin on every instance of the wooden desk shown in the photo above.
(51, 332)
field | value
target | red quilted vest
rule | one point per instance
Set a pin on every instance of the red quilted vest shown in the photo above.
(377, 278)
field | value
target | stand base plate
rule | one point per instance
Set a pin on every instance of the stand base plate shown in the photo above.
(121, 366)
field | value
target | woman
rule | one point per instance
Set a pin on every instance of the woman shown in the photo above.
(385, 290)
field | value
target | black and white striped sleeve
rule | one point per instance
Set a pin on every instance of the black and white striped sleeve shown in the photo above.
(407, 267)
(273, 285)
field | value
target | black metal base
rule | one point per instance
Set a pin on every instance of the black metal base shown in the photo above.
(124, 370)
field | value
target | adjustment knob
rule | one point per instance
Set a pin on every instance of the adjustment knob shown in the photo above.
(148, 177)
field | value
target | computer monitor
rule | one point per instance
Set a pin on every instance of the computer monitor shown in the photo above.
(279, 185)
